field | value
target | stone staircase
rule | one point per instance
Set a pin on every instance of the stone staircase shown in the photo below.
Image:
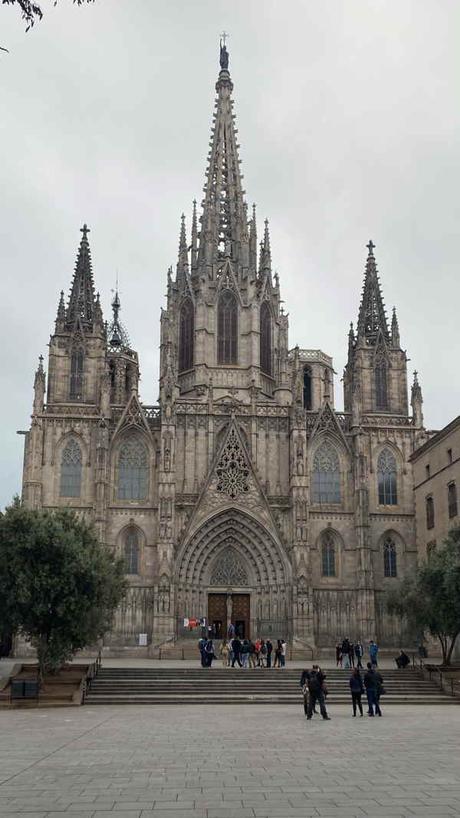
(218, 685)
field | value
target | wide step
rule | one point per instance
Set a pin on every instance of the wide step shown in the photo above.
(218, 685)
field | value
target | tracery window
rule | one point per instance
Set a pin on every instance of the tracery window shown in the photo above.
(71, 463)
(307, 388)
(227, 328)
(133, 470)
(326, 475)
(265, 339)
(390, 568)
(429, 505)
(186, 335)
(229, 570)
(387, 478)
(381, 385)
(328, 568)
(132, 551)
(76, 374)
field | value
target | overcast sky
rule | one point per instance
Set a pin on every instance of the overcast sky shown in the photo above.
(348, 115)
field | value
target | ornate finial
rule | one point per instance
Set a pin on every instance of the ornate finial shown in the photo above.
(415, 376)
(40, 363)
(370, 247)
(85, 230)
(223, 51)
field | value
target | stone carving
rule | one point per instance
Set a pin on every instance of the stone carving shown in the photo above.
(232, 469)
(229, 570)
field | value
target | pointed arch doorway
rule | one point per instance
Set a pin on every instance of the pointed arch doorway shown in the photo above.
(232, 569)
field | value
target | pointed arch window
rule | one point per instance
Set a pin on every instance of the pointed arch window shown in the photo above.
(186, 335)
(265, 339)
(132, 551)
(381, 385)
(76, 374)
(387, 478)
(133, 471)
(307, 388)
(326, 475)
(227, 328)
(328, 562)
(71, 463)
(390, 567)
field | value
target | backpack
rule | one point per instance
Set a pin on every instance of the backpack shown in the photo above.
(314, 685)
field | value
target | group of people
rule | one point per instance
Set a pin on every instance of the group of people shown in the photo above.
(314, 690)
(244, 652)
(347, 653)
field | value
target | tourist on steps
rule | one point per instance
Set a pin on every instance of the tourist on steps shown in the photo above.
(357, 690)
(402, 660)
(245, 653)
(359, 652)
(373, 652)
(236, 648)
(224, 653)
(269, 646)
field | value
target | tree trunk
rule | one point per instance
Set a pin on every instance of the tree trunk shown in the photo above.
(451, 649)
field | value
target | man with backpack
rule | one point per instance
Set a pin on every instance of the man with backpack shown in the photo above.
(373, 683)
(316, 693)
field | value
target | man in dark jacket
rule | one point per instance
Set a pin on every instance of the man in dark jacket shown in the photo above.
(316, 692)
(269, 645)
(373, 684)
(236, 648)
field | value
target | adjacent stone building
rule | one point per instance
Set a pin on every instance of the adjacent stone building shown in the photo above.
(243, 495)
(436, 467)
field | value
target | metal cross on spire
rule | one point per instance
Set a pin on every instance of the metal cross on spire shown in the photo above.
(370, 247)
(223, 37)
(85, 230)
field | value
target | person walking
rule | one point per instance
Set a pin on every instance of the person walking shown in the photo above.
(224, 653)
(201, 647)
(245, 653)
(257, 647)
(252, 654)
(371, 683)
(357, 690)
(283, 653)
(269, 646)
(373, 652)
(352, 654)
(359, 655)
(209, 653)
(338, 655)
(277, 662)
(263, 653)
(316, 693)
(236, 648)
(346, 652)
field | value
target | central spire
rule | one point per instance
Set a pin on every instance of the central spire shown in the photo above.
(372, 317)
(223, 222)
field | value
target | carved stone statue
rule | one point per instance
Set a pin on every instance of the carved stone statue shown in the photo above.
(223, 57)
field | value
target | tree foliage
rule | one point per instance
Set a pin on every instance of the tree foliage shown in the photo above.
(59, 585)
(430, 599)
(32, 11)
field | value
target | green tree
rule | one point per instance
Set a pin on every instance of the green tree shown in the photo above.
(430, 598)
(32, 11)
(59, 585)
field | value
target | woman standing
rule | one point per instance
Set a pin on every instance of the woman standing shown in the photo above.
(357, 690)
(224, 653)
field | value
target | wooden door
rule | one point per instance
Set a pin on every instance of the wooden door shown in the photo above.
(241, 614)
(217, 614)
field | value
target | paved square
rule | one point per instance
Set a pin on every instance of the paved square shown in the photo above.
(232, 762)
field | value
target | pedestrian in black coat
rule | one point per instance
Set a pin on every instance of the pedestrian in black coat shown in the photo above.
(357, 690)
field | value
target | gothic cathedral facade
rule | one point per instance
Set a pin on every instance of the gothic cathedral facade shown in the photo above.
(244, 495)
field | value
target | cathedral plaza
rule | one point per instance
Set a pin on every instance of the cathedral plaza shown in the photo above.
(230, 762)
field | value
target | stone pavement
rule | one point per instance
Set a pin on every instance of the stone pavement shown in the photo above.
(236, 762)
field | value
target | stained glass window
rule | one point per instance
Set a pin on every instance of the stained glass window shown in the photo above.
(389, 558)
(186, 335)
(71, 463)
(76, 374)
(326, 475)
(265, 339)
(328, 555)
(133, 471)
(387, 478)
(132, 551)
(227, 327)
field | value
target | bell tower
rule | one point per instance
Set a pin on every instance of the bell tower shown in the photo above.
(223, 324)
(375, 377)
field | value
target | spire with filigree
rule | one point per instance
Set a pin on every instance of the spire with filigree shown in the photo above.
(117, 336)
(372, 318)
(182, 258)
(417, 402)
(82, 300)
(223, 221)
(395, 337)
